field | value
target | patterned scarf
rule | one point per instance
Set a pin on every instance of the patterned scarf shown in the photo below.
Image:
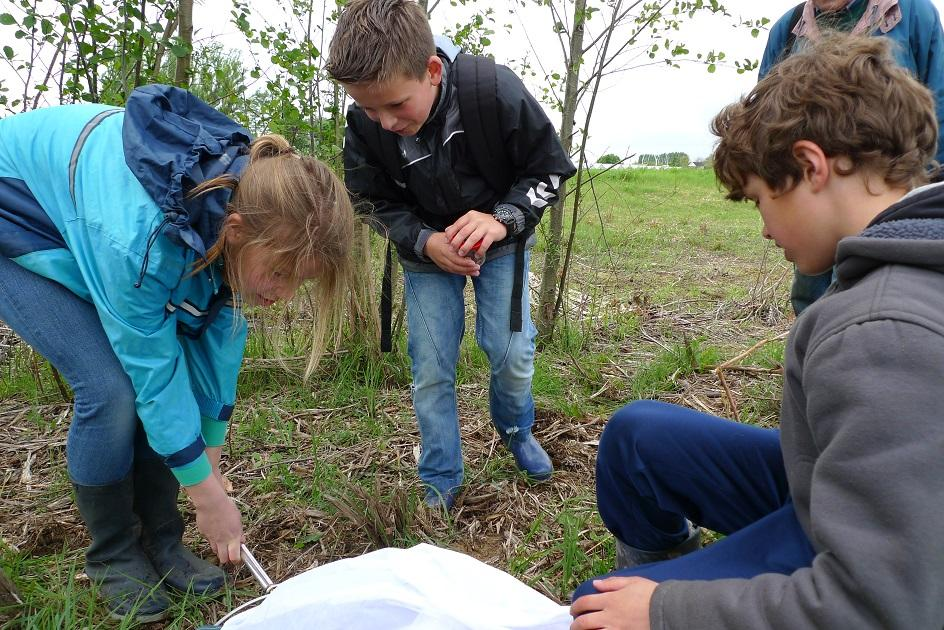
(880, 15)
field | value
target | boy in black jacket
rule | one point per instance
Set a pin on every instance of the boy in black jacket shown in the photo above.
(448, 218)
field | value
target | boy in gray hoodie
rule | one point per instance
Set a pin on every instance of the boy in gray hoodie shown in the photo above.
(830, 522)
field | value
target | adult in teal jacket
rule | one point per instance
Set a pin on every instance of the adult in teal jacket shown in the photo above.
(129, 239)
(914, 26)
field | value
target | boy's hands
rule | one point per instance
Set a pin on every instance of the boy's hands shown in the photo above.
(621, 604)
(444, 255)
(475, 227)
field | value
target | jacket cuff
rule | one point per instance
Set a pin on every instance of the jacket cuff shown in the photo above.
(213, 430)
(193, 473)
(212, 408)
(421, 240)
(516, 212)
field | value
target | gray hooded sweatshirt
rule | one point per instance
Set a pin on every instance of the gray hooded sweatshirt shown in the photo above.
(862, 434)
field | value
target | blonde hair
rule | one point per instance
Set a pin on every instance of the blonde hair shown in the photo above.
(845, 93)
(380, 40)
(297, 210)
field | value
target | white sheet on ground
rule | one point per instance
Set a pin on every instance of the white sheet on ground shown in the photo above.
(423, 588)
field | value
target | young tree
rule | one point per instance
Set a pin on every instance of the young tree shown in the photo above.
(629, 33)
(185, 40)
(62, 51)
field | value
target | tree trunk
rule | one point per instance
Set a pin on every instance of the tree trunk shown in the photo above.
(547, 294)
(162, 47)
(185, 34)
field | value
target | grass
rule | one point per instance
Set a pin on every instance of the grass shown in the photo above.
(668, 281)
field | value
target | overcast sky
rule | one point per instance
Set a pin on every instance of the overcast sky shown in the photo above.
(642, 109)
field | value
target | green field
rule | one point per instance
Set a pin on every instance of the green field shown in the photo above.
(668, 280)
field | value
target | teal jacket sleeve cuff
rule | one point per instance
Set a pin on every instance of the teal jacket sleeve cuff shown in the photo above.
(193, 473)
(214, 431)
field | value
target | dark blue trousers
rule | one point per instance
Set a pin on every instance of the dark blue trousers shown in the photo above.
(659, 464)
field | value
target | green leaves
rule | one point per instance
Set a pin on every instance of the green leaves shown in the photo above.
(102, 49)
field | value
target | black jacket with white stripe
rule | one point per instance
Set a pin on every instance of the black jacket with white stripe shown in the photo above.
(440, 180)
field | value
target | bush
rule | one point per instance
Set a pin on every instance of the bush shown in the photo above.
(610, 158)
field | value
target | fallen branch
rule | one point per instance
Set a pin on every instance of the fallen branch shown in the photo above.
(8, 592)
(730, 365)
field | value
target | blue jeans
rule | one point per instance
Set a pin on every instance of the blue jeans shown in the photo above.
(436, 323)
(807, 289)
(66, 330)
(659, 464)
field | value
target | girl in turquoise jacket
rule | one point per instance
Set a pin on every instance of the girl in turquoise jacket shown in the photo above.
(129, 240)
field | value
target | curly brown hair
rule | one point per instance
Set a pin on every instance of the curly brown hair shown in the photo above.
(380, 40)
(845, 93)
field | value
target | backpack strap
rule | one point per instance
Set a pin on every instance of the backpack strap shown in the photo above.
(791, 36)
(386, 302)
(477, 91)
(385, 148)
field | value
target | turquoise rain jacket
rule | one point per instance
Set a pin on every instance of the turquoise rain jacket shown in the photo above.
(95, 198)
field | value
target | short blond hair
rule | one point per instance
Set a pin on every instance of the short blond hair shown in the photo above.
(845, 93)
(380, 40)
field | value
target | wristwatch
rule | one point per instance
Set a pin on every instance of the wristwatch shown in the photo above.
(507, 215)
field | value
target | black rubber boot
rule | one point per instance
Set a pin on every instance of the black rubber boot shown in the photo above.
(627, 557)
(162, 529)
(115, 560)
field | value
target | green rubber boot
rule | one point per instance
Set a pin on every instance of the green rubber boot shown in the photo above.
(162, 530)
(115, 560)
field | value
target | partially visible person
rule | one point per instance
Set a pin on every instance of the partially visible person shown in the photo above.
(411, 162)
(914, 27)
(828, 522)
(129, 241)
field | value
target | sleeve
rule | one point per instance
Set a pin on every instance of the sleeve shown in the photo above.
(144, 338)
(377, 196)
(874, 401)
(534, 149)
(214, 360)
(776, 40)
(928, 50)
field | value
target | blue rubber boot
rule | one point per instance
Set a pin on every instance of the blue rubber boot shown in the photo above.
(530, 457)
(436, 499)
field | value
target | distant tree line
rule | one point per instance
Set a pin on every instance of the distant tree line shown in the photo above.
(677, 158)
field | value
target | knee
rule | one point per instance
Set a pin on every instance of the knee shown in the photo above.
(111, 394)
(584, 589)
(629, 430)
(510, 356)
